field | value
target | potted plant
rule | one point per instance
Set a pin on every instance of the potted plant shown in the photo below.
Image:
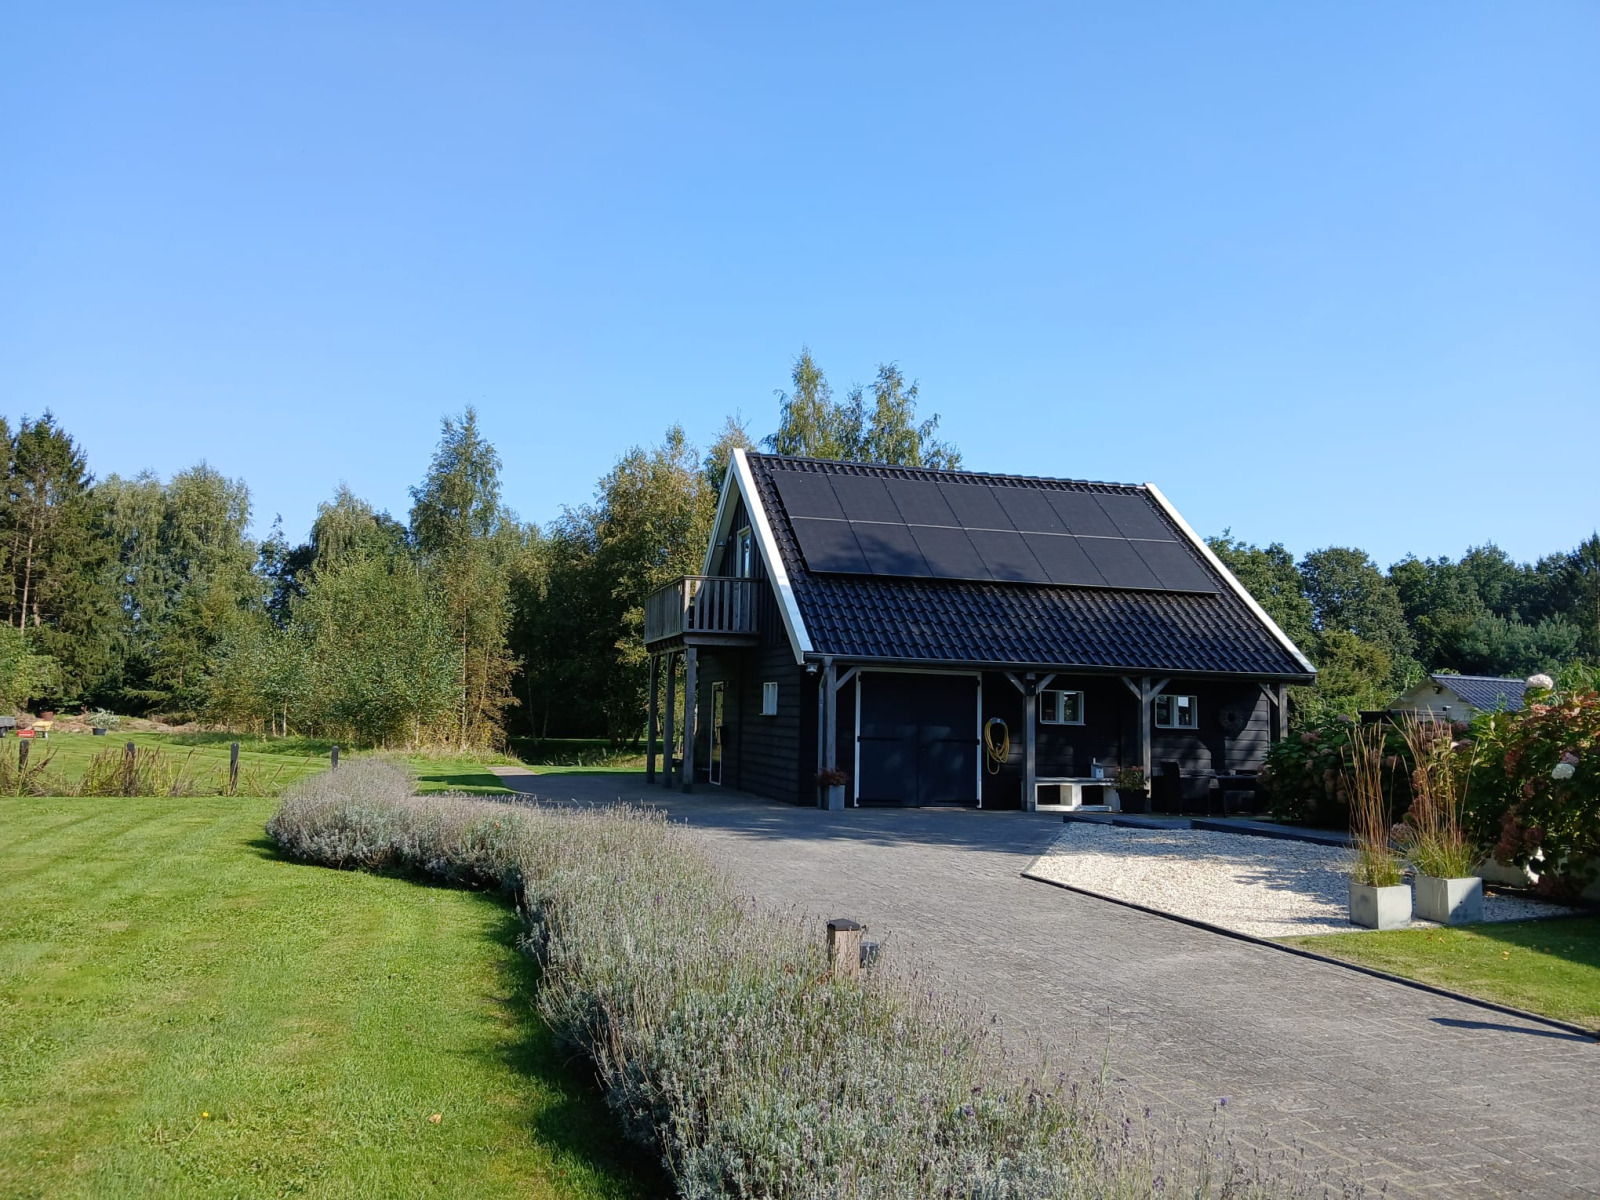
(1131, 794)
(1379, 897)
(833, 780)
(1447, 889)
(101, 721)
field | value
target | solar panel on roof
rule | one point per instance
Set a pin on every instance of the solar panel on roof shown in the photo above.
(949, 553)
(1007, 556)
(829, 546)
(1008, 532)
(920, 502)
(1134, 517)
(865, 499)
(1119, 563)
(1064, 560)
(890, 549)
(1174, 566)
(1081, 515)
(974, 505)
(807, 494)
(1028, 510)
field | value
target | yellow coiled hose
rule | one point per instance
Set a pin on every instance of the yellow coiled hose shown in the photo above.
(996, 750)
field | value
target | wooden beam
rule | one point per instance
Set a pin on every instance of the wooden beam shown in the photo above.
(841, 680)
(1145, 739)
(1283, 711)
(691, 712)
(650, 721)
(1016, 683)
(670, 733)
(830, 725)
(1030, 774)
(822, 730)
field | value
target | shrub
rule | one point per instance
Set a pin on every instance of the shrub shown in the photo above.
(1305, 773)
(719, 1036)
(1538, 796)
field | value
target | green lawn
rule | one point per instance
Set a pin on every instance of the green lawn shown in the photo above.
(183, 1013)
(1550, 967)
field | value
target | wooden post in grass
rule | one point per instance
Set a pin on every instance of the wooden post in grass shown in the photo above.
(22, 754)
(233, 768)
(336, 758)
(844, 947)
(130, 768)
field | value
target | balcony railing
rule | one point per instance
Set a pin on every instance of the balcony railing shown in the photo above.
(701, 604)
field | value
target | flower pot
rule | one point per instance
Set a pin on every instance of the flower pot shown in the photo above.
(98, 731)
(1380, 907)
(1133, 800)
(836, 797)
(1450, 901)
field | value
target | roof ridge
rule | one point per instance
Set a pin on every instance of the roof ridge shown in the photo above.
(851, 467)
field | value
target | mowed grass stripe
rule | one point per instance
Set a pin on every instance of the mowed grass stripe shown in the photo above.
(158, 961)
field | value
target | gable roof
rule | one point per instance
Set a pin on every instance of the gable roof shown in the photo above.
(1485, 692)
(1213, 626)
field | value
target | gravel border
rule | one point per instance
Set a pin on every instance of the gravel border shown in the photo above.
(1264, 887)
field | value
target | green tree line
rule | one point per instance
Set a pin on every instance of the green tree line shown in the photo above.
(458, 625)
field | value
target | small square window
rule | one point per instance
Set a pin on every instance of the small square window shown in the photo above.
(1060, 708)
(1177, 712)
(769, 699)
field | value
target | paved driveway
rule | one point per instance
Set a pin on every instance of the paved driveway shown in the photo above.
(1379, 1081)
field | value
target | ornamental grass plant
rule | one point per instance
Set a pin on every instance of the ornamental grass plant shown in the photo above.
(1375, 862)
(719, 1036)
(1433, 833)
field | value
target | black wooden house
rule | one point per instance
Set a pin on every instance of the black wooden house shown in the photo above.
(950, 637)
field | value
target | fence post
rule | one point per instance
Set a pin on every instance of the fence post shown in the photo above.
(130, 768)
(233, 768)
(336, 758)
(844, 948)
(22, 754)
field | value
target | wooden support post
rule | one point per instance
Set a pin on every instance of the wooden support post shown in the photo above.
(670, 734)
(1030, 727)
(822, 736)
(844, 948)
(1283, 711)
(650, 721)
(691, 712)
(830, 732)
(335, 757)
(1145, 735)
(233, 768)
(22, 753)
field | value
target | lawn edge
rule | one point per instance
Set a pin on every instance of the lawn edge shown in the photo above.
(1431, 988)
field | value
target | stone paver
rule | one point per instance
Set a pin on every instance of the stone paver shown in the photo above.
(1380, 1082)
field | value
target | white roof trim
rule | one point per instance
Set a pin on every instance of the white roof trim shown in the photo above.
(1239, 589)
(799, 640)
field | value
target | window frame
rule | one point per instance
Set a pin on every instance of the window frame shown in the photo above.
(769, 698)
(1058, 692)
(1172, 708)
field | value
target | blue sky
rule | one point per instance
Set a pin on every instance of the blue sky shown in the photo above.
(1328, 274)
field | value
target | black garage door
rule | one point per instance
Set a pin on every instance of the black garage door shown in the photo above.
(919, 739)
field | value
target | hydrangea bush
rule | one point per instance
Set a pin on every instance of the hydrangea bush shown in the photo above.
(1537, 793)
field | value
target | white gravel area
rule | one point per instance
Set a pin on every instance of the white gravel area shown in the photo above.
(1267, 887)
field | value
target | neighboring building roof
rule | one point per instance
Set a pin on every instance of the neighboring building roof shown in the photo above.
(1485, 692)
(934, 613)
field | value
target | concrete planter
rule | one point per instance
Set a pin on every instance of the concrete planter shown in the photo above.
(836, 798)
(1450, 901)
(1380, 907)
(1133, 800)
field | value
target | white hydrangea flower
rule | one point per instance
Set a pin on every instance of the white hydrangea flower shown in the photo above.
(1541, 681)
(1562, 770)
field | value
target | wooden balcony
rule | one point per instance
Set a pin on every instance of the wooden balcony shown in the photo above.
(701, 610)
